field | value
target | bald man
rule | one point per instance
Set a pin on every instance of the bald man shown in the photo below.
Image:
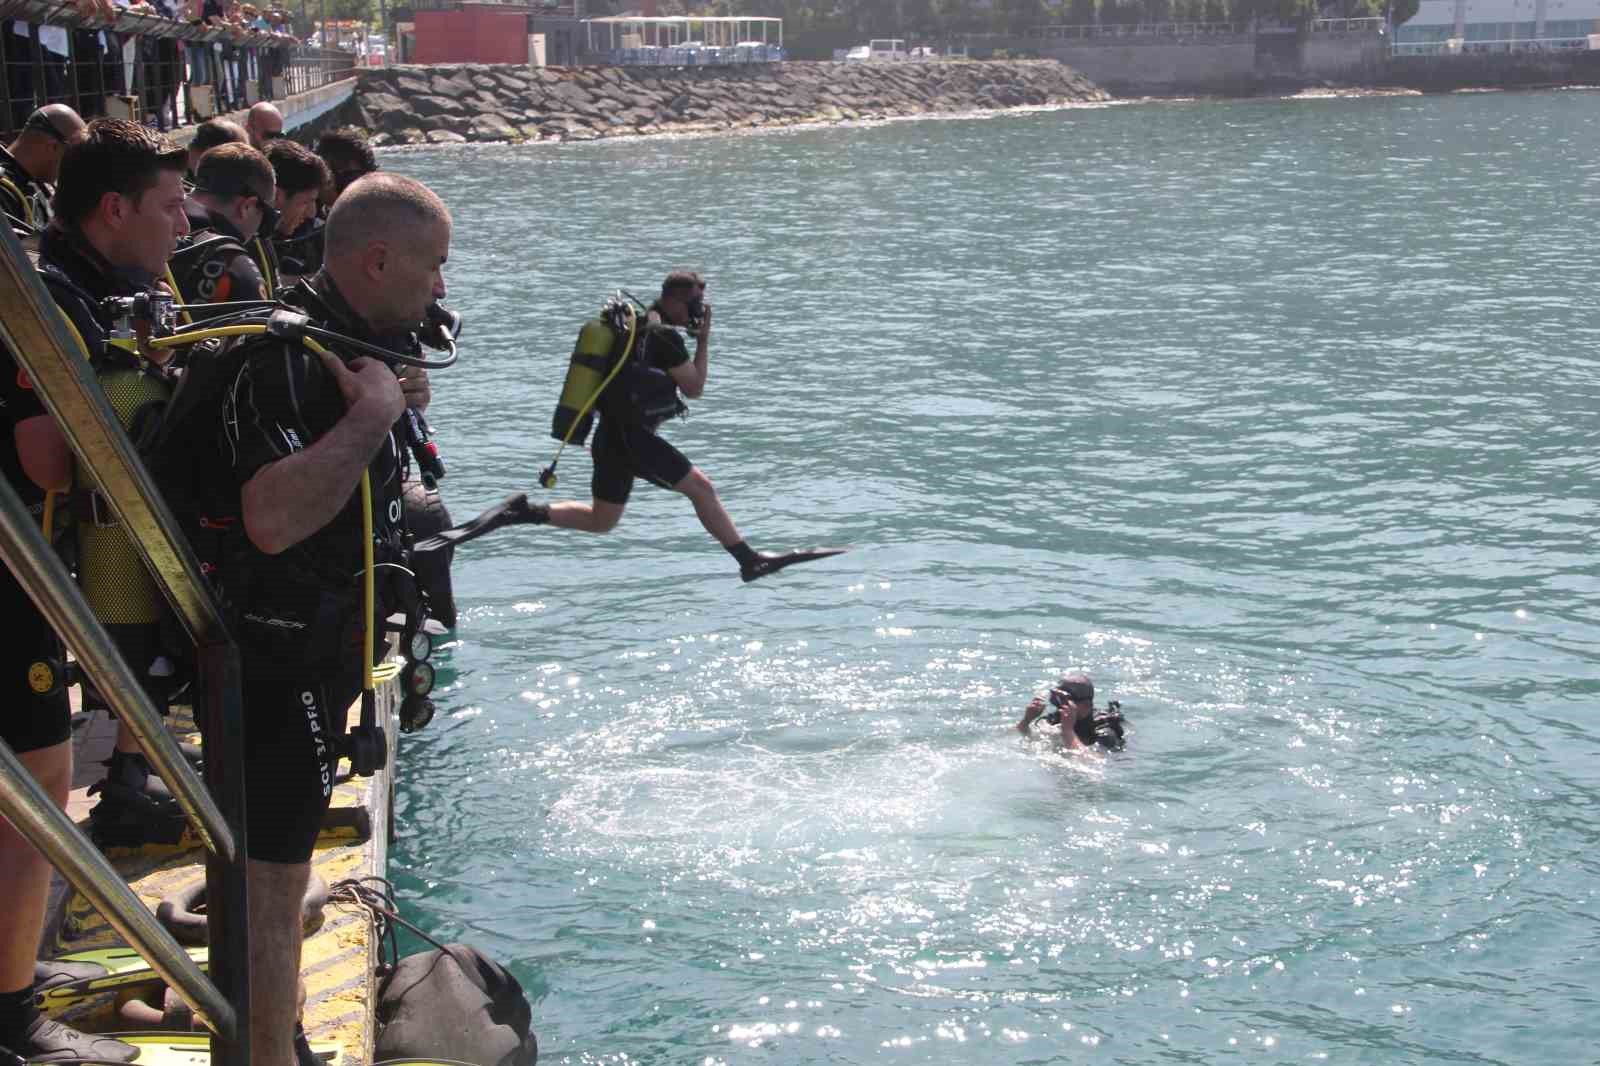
(296, 432)
(30, 166)
(264, 123)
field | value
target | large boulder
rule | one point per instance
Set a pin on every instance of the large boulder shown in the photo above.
(451, 85)
(383, 111)
(570, 97)
(411, 85)
(445, 137)
(493, 128)
(429, 105)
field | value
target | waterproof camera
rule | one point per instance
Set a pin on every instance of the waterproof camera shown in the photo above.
(151, 309)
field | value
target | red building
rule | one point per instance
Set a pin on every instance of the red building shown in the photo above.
(472, 33)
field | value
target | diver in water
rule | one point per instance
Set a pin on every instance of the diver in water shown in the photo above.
(627, 445)
(1072, 709)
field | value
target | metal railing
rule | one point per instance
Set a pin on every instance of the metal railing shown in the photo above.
(1087, 31)
(36, 332)
(1504, 47)
(1373, 26)
(710, 56)
(147, 67)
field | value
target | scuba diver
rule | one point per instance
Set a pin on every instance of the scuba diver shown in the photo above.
(1082, 725)
(119, 212)
(349, 156)
(209, 134)
(230, 213)
(309, 442)
(92, 251)
(263, 124)
(32, 163)
(646, 367)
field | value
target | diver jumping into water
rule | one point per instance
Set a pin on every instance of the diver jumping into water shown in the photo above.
(637, 393)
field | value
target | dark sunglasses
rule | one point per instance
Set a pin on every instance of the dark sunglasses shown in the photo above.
(272, 135)
(39, 124)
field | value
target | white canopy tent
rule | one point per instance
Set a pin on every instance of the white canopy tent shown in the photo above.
(674, 30)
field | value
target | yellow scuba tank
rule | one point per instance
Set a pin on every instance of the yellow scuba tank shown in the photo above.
(587, 373)
(115, 581)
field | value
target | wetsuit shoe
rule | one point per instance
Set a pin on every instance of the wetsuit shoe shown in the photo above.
(50, 1041)
(766, 563)
(47, 973)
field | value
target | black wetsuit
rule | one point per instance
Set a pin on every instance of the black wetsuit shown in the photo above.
(28, 721)
(299, 612)
(300, 254)
(217, 264)
(644, 395)
(78, 278)
(26, 202)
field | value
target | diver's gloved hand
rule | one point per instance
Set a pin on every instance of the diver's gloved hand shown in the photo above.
(515, 511)
(766, 563)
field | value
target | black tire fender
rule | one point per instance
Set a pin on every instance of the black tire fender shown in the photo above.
(426, 515)
(183, 913)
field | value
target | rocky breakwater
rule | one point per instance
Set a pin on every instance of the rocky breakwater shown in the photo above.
(472, 102)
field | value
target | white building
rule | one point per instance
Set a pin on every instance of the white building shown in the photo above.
(1499, 25)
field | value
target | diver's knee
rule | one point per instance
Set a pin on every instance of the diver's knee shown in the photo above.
(603, 519)
(696, 485)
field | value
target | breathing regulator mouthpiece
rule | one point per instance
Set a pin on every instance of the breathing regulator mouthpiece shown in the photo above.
(441, 327)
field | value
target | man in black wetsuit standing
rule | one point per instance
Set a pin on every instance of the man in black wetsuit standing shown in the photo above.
(231, 214)
(29, 167)
(296, 432)
(119, 212)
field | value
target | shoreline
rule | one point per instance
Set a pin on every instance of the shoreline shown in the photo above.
(870, 121)
(474, 103)
(415, 107)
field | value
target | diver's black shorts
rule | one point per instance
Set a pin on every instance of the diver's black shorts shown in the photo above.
(28, 721)
(289, 760)
(622, 452)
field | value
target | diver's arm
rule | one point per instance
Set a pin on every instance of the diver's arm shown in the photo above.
(691, 376)
(1031, 715)
(289, 499)
(43, 451)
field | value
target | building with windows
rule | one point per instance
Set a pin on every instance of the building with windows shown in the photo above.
(1468, 26)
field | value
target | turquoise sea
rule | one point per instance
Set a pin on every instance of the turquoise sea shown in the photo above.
(1279, 417)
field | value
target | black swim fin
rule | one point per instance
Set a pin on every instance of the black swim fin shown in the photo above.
(766, 563)
(514, 511)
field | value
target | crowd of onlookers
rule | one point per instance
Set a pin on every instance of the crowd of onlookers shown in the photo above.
(162, 75)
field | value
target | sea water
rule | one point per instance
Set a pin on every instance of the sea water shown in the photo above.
(1278, 417)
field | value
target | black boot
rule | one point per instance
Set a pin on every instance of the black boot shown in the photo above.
(135, 806)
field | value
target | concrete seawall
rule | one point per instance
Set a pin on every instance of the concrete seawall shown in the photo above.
(453, 104)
